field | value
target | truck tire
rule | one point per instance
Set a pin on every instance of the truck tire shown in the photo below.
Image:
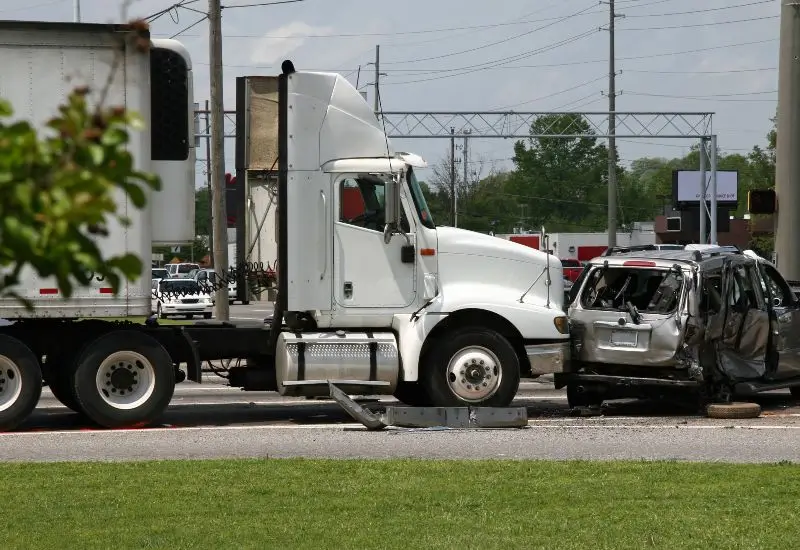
(20, 382)
(124, 378)
(795, 391)
(733, 410)
(471, 366)
(412, 394)
(59, 380)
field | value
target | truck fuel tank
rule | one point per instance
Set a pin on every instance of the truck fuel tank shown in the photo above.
(357, 362)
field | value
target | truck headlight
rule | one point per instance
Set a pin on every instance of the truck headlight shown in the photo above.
(562, 324)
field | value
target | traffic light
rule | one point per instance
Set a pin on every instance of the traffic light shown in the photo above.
(231, 199)
(761, 201)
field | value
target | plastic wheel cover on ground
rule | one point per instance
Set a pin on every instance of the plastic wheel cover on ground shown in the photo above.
(733, 410)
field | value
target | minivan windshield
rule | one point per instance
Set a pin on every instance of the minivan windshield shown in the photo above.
(617, 288)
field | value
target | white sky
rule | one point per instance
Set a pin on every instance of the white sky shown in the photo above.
(674, 55)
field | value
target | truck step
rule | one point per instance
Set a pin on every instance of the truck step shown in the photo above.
(336, 382)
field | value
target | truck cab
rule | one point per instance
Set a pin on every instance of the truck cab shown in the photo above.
(451, 316)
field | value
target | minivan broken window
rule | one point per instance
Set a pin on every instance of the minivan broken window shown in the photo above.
(648, 290)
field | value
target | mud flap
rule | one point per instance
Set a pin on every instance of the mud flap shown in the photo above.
(432, 417)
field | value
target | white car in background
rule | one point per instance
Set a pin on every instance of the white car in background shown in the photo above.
(180, 297)
(182, 270)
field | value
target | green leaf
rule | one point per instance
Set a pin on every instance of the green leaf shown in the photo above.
(136, 194)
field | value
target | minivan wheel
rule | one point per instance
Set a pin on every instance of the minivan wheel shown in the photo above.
(580, 396)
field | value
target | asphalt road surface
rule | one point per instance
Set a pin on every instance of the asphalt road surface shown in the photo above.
(211, 420)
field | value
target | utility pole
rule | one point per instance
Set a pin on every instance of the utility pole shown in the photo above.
(76, 11)
(208, 184)
(453, 176)
(787, 173)
(612, 142)
(220, 220)
(467, 132)
(377, 107)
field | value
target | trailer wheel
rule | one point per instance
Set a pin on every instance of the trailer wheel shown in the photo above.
(20, 382)
(124, 378)
(472, 366)
(59, 380)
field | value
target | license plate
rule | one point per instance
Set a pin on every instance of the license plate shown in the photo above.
(624, 338)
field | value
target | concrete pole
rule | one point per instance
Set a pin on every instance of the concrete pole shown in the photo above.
(787, 174)
(376, 99)
(220, 218)
(453, 176)
(466, 171)
(208, 184)
(713, 214)
(702, 236)
(76, 11)
(612, 142)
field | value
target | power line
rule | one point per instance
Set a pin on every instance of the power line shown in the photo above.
(706, 10)
(718, 97)
(419, 72)
(701, 24)
(275, 3)
(500, 62)
(729, 71)
(507, 107)
(470, 50)
(190, 26)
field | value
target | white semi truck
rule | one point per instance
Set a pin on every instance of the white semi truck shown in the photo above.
(378, 302)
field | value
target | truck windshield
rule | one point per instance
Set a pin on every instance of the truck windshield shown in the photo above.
(419, 201)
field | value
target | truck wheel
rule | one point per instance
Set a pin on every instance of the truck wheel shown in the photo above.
(412, 394)
(59, 380)
(472, 367)
(20, 382)
(795, 391)
(124, 378)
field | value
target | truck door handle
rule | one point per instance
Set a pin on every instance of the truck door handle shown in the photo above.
(348, 289)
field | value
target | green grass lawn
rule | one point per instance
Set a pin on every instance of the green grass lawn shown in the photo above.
(399, 504)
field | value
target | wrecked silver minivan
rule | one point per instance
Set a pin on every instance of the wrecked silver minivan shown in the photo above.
(649, 322)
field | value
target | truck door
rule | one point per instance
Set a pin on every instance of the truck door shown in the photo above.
(368, 273)
(787, 322)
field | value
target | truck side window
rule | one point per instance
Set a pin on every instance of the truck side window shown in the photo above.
(362, 202)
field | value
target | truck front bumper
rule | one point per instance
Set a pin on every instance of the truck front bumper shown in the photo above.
(548, 358)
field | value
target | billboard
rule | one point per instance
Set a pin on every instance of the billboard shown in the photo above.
(686, 187)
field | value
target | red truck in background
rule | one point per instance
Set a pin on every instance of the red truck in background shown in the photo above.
(572, 268)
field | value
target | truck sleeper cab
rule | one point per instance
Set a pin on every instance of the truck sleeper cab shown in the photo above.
(455, 317)
(647, 322)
